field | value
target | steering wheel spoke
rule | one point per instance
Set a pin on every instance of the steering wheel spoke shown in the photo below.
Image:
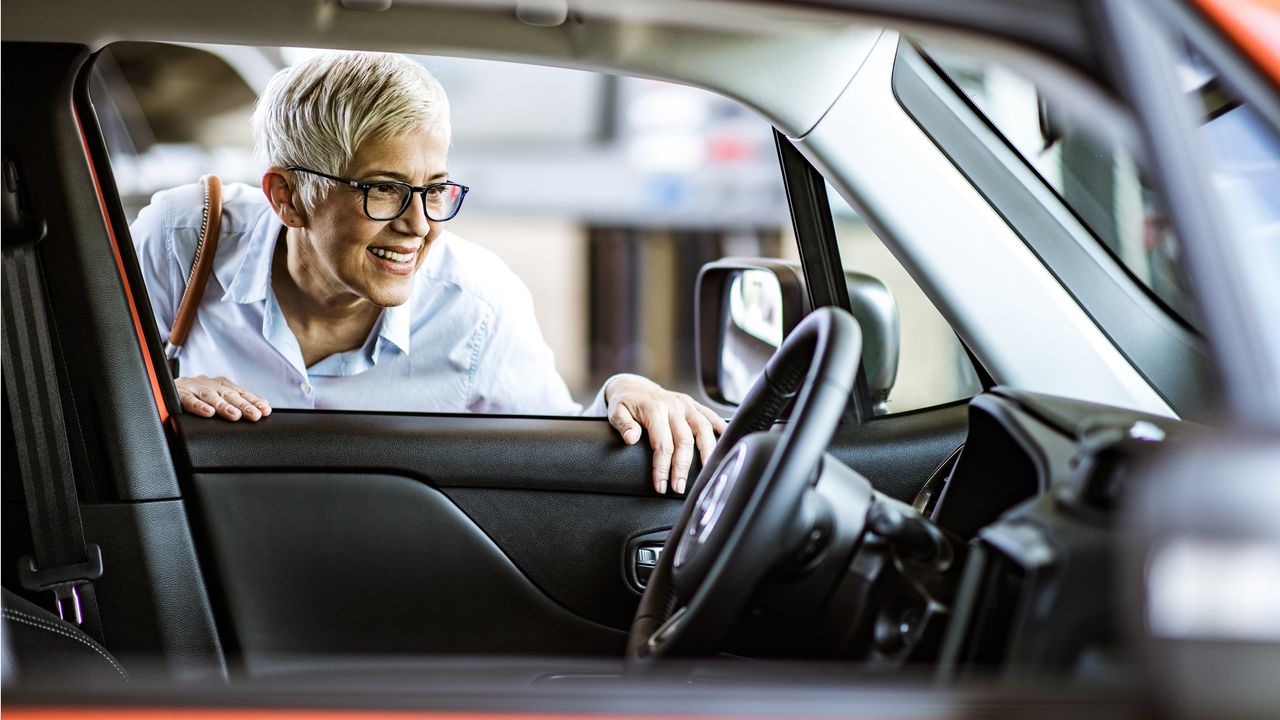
(668, 629)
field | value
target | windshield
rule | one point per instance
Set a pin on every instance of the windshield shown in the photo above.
(1100, 183)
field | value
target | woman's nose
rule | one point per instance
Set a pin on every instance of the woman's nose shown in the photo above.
(414, 219)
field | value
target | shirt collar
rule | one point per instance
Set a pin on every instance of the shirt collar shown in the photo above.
(395, 324)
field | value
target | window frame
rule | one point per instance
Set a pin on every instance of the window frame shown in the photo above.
(1168, 355)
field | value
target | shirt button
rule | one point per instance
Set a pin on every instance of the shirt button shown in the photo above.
(306, 388)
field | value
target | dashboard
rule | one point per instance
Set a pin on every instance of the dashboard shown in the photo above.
(1003, 564)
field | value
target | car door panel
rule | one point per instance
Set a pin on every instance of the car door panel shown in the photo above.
(371, 564)
(508, 532)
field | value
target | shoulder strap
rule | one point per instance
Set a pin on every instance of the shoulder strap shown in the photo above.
(61, 561)
(201, 267)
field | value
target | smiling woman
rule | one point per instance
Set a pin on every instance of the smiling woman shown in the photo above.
(336, 290)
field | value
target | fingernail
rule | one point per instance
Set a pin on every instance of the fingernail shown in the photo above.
(662, 487)
(233, 413)
(679, 486)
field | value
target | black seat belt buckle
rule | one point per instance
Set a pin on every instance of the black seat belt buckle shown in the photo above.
(63, 581)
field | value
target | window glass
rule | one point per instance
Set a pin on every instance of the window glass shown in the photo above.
(932, 367)
(1100, 183)
(605, 195)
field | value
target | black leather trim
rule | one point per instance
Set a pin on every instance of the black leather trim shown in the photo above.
(561, 454)
(48, 650)
(896, 452)
(330, 564)
(571, 544)
(152, 596)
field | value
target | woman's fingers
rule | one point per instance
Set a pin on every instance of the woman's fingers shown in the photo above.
(703, 431)
(682, 460)
(238, 401)
(263, 406)
(193, 404)
(213, 396)
(659, 428)
(677, 425)
(718, 424)
(622, 421)
(207, 397)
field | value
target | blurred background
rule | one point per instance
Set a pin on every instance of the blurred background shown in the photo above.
(605, 194)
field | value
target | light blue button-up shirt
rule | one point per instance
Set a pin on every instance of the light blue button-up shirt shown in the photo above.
(466, 341)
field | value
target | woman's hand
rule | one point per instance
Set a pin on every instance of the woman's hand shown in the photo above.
(675, 423)
(206, 396)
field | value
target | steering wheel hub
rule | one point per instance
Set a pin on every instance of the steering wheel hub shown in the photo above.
(709, 506)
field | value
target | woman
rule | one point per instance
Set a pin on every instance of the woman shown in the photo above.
(338, 287)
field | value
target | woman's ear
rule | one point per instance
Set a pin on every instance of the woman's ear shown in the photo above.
(278, 188)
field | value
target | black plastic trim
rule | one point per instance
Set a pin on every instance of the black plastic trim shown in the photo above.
(819, 254)
(123, 436)
(1160, 348)
(101, 159)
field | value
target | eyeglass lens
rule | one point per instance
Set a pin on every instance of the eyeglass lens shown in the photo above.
(387, 200)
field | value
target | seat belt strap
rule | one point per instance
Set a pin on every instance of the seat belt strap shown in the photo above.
(61, 562)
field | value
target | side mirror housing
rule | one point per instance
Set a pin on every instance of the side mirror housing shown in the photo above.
(876, 311)
(746, 306)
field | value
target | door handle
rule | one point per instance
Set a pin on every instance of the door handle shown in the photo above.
(641, 557)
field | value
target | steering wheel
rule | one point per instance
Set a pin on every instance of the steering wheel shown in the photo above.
(743, 513)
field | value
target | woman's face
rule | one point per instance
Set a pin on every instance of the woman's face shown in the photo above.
(350, 257)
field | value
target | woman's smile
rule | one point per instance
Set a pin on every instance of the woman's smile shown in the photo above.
(398, 260)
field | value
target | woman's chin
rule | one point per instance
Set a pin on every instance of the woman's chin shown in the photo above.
(388, 297)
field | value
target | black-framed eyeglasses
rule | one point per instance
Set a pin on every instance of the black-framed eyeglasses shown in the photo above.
(388, 199)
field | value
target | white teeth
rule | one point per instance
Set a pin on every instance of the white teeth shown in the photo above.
(392, 256)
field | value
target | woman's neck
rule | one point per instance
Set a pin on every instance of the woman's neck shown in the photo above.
(324, 319)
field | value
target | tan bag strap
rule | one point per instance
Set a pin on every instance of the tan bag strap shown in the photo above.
(201, 267)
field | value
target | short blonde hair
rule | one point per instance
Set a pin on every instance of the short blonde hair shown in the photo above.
(317, 113)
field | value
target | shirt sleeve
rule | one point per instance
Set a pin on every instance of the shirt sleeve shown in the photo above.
(153, 242)
(599, 407)
(515, 370)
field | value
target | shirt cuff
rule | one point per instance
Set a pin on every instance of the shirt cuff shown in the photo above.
(600, 407)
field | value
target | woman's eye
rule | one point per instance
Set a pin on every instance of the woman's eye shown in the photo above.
(385, 190)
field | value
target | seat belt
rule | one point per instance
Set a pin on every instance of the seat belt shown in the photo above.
(61, 562)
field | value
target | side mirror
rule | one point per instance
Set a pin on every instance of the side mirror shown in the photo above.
(746, 306)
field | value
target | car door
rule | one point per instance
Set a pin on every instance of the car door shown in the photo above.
(338, 534)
